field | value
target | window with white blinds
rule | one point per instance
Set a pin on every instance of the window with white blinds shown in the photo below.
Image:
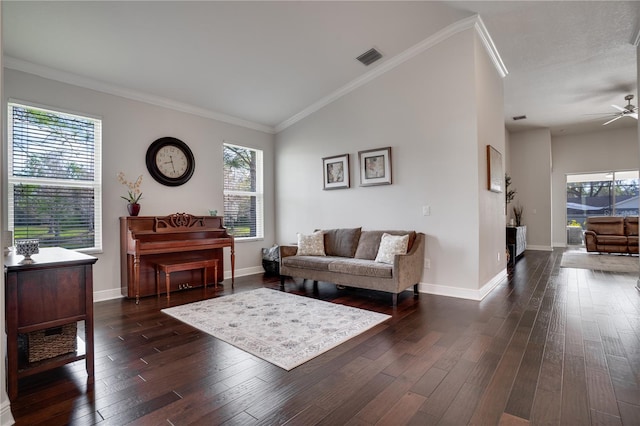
(54, 177)
(243, 191)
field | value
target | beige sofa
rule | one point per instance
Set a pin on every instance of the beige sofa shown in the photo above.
(350, 261)
(612, 234)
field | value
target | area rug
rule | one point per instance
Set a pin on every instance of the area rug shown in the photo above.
(602, 262)
(282, 328)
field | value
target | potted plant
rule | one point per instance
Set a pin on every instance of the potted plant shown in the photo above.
(517, 213)
(574, 233)
(509, 194)
(133, 194)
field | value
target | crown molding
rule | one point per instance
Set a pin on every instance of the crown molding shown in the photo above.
(100, 86)
(490, 47)
(472, 22)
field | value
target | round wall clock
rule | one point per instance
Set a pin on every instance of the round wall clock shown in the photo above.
(170, 161)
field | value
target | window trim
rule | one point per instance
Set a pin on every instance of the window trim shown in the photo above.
(95, 184)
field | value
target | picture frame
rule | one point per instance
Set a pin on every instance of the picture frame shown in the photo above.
(495, 173)
(375, 167)
(336, 172)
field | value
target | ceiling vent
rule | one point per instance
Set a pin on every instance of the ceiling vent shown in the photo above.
(369, 57)
(519, 117)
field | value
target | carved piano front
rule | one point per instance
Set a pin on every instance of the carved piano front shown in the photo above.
(147, 240)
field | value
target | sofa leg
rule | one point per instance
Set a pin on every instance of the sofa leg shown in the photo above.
(315, 287)
(282, 283)
(394, 299)
(416, 293)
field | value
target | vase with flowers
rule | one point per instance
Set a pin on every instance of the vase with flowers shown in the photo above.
(133, 194)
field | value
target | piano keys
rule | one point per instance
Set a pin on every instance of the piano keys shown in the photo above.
(147, 240)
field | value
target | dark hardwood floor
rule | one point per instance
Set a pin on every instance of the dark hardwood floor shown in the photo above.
(549, 346)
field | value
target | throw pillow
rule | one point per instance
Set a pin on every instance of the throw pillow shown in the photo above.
(390, 245)
(341, 242)
(311, 245)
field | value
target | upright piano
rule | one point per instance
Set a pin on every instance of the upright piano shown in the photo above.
(148, 240)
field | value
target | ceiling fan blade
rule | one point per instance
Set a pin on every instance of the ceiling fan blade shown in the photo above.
(619, 108)
(634, 115)
(612, 120)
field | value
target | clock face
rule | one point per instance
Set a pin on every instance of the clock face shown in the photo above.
(170, 161)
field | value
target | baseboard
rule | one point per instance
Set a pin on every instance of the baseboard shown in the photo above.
(464, 293)
(6, 418)
(539, 248)
(101, 296)
(245, 271)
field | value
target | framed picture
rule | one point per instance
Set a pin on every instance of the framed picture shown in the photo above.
(375, 167)
(336, 171)
(495, 174)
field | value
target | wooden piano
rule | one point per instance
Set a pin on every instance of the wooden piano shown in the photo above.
(148, 240)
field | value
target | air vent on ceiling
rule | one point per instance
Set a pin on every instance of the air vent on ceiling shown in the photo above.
(369, 57)
(519, 117)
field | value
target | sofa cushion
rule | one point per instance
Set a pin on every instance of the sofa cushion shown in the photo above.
(361, 267)
(341, 242)
(631, 225)
(317, 263)
(606, 225)
(311, 245)
(390, 245)
(620, 240)
(370, 243)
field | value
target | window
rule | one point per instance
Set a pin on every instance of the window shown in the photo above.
(613, 193)
(54, 177)
(243, 198)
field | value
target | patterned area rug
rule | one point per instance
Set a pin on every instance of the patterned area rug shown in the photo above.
(602, 262)
(281, 328)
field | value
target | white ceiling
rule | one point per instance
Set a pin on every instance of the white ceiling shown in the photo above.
(262, 63)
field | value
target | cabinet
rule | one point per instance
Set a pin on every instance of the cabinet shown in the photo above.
(55, 290)
(516, 241)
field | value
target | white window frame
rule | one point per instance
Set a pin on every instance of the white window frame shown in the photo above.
(95, 184)
(258, 193)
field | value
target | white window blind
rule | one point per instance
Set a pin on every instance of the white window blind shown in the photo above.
(54, 176)
(243, 191)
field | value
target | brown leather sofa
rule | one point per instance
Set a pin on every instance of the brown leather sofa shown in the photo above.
(612, 234)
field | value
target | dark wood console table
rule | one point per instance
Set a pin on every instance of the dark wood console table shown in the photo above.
(55, 290)
(146, 241)
(517, 239)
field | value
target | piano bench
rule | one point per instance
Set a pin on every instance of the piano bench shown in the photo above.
(177, 265)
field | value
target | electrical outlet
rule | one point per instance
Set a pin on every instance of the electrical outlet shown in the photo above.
(426, 210)
(427, 263)
(498, 256)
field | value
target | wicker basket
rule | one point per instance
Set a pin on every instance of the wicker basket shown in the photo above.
(49, 343)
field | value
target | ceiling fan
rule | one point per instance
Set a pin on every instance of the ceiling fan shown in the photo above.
(628, 111)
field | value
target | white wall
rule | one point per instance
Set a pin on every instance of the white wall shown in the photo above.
(530, 170)
(129, 127)
(615, 149)
(490, 107)
(437, 160)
